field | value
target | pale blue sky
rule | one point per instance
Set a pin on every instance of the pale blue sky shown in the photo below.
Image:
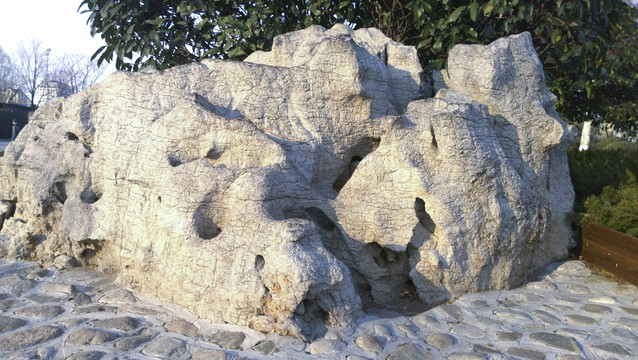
(54, 22)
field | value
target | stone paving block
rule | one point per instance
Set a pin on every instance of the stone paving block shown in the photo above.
(37, 274)
(52, 287)
(526, 353)
(454, 312)
(369, 343)
(182, 327)
(508, 335)
(8, 323)
(630, 323)
(44, 311)
(29, 337)
(467, 356)
(410, 351)
(71, 323)
(124, 323)
(266, 347)
(118, 296)
(581, 320)
(624, 334)
(479, 304)
(628, 310)
(486, 349)
(604, 299)
(468, 331)
(556, 341)
(88, 336)
(227, 339)
(596, 309)
(323, 346)
(131, 342)
(441, 341)
(86, 355)
(209, 355)
(612, 348)
(42, 299)
(545, 317)
(578, 289)
(82, 299)
(94, 309)
(165, 347)
(625, 289)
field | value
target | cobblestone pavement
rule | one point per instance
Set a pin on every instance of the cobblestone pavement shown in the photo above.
(569, 313)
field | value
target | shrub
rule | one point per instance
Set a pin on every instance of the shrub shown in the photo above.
(596, 168)
(616, 207)
(614, 143)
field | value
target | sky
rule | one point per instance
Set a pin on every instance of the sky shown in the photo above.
(56, 23)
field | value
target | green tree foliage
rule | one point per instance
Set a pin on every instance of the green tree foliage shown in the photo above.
(616, 207)
(589, 48)
(173, 32)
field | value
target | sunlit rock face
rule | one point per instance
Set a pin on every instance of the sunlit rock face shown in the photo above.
(303, 186)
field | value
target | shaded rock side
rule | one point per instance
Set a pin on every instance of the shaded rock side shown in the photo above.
(285, 191)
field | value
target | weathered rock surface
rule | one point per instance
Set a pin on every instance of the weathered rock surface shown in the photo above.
(286, 191)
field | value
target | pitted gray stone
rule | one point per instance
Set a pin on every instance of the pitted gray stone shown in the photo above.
(124, 323)
(596, 309)
(410, 351)
(369, 343)
(441, 341)
(8, 323)
(165, 347)
(28, 337)
(556, 341)
(44, 311)
(88, 336)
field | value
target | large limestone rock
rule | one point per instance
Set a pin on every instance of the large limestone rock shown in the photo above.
(302, 186)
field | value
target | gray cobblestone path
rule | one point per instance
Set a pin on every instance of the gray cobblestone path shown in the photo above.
(569, 313)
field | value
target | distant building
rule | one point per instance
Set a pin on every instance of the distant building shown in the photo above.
(13, 96)
(52, 89)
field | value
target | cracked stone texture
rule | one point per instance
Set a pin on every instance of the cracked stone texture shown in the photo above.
(285, 197)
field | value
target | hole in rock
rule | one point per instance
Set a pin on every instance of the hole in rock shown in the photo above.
(9, 209)
(259, 263)
(319, 217)
(88, 251)
(359, 151)
(311, 319)
(434, 143)
(205, 227)
(89, 196)
(174, 161)
(71, 136)
(59, 192)
(87, 150)
(422, 215)
(214, 154)
(34, 240)
(391, 289)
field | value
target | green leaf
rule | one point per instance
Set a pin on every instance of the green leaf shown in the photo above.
(201, 24)
(474, 10)
(488, 9)
(556, 36)
(154, 37)
(438, 44)
(455, 14)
